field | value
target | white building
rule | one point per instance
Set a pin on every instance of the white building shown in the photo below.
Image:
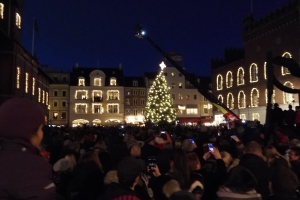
(96, 96)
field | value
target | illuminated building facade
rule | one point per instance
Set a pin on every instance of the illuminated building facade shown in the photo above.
(20, 74)
(239, 80)
(135, 95)
(96, 96)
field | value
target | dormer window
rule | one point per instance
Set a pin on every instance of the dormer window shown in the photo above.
(81, 81)
(18, 20)
(135, 83)
(113, 81)
(97, 81)
(1, 10)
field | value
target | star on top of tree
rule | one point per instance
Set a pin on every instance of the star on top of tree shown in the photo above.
(162, 65)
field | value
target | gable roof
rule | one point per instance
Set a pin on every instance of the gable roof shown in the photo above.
(129, 81)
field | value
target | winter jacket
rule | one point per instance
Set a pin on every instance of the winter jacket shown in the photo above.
(24, 173)
(115, 191)
(226, 194)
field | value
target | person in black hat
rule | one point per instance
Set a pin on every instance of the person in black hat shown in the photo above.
(128, 172)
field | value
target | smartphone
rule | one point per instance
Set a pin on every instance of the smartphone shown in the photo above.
(192, 140)
(210, 147)
(233, 136)
(162, 132)
(151, 163)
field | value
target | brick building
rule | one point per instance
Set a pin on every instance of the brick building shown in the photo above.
(239, 80)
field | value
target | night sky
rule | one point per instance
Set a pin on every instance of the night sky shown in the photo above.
(98, 33)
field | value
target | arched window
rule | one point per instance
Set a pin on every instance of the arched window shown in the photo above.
(288, 97)
(265, 70)
(240, 76)
(220, 97)
(81, 81)
(253, 73)
(230, 101)
(254, 97)
(113, 81)
(219, 82)
(229, 79)
(284, 70)
(273, 96)
(241, 99)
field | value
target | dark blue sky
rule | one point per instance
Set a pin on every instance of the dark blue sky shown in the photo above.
(88, 32)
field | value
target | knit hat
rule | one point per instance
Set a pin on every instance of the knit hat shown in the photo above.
(62, 165)
(129, 168)
(182, 195)
(20, 118)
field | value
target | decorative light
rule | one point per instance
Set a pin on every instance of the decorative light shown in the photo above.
(253, 73)
(162, 65)
(43, 98)
(81, 94)
(47, 99)
(240, 76)
(26, 82)
(1, 10)
(33, 86)
(284, 70)
(265, 70)
(255, 116)
(101, 110)
(113, 107)
(241, 99)
(97, 81)
(113, 81)
(230, 101)
(81, 81)
(273, 96)
(287, 97)
(113, 94)
(18, 77)
(229, 79)
(254, 95)
(18, 20)
(243, 116)
(181, 107)
(219, 82)
(39, 94)
(80, 105)
(220, 97)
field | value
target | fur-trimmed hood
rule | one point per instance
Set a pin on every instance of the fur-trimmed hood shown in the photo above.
(225, 193)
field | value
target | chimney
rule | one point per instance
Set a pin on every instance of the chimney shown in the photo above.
(120, 66)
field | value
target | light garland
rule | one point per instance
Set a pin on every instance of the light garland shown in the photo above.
(220, 97)
(265, 70)
(81, 104)
(253, 73)
(43, 97)
(33, 86)
(39, 94)
(241, 100)
(240, 76)
(1, 10)
(18, 77)
(101, 109)
(113, 93)
(243, 116)
(112, 104)
(219, 82)
(255, 116)
(113, 81)
(288, 97)
(284, 70)
(97, 81)
(273, 96)
(81, 81)
(81, 95)
(26, 82)
(229, 79)
(47, 98)
(230, 101)
(254, 102)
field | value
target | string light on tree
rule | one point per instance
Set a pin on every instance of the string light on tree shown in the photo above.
(159, 107)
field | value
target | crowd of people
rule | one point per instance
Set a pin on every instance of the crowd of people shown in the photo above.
(144, 163)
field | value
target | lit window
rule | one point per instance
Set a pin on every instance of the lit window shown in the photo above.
(284, 70)
(135, 83)
(81, 81)
(240, 76)
(97, 81)
(288, 98)
(243, 116)
(241, 100)
(253, 73)
(172, 74)
(18, 77)
(18, 20)
(47, 98)
(81, 94)
(180, 96)
(180, 85)
(33, 86)
(205, 109)
(1, 10)
(80, 107)
(55, 115)
(97, 108)
(230, 101)
(112, 95)
(113, 108)
(192, 111)
(43, 98)
(26, 82)
(220, 97)
(273, 96)
(255, 116)
(229, 79)
(113, 81)
(127, 92)
(97, 96)
(39, 94)
(219, 82)
(254, 97)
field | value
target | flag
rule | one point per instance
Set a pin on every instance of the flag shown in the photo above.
(35, 26)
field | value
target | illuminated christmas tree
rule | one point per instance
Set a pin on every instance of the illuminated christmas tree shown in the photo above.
(159, 106)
